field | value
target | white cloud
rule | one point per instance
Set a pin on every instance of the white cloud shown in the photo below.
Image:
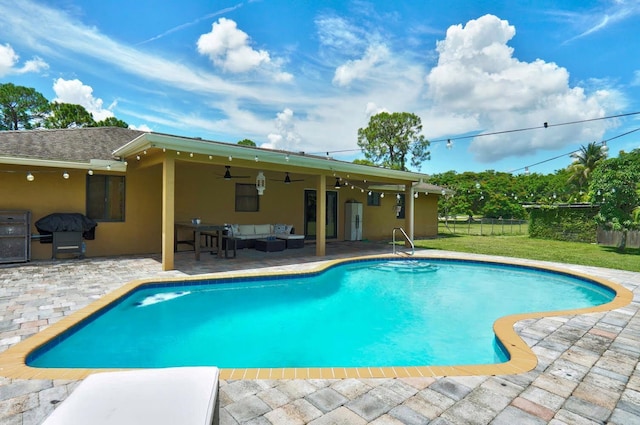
(285, 137)
(9, 58)
(360, 68)
(600, 18)
(636, 79)
(229, 48)
(372, 109)
(477, 76)
(77, 93)
(336, 33)
(142, 127)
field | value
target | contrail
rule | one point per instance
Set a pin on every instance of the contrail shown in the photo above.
(188, 24)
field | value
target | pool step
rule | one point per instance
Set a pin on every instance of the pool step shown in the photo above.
(405, 266)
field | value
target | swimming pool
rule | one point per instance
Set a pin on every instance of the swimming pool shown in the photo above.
(341, 317)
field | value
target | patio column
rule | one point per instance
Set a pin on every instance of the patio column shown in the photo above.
(168, 211)
(409, 208)
(321, 216)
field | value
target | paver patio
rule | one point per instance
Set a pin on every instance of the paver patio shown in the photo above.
(587, 372)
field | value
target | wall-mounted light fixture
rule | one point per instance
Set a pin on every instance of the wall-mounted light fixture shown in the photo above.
(261, 183)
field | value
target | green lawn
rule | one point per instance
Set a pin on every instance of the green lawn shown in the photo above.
(521, 246)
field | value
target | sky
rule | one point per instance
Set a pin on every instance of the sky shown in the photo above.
(304, 76)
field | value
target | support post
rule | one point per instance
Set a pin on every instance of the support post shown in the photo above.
(321, 216)
(409, 215)
(168, 211)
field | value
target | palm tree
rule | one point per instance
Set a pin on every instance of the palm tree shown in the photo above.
(585, 161)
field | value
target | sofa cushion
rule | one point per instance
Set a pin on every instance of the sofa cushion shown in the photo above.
(246, 229)
(289, 236)
(279, 228)
(263, 229)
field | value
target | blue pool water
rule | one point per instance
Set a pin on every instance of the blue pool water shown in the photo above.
(365, 313)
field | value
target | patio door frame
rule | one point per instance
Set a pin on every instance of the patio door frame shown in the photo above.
(310, 214)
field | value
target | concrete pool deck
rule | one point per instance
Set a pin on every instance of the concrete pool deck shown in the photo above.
(587, 368)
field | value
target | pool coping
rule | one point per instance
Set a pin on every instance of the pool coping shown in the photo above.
(522, 358)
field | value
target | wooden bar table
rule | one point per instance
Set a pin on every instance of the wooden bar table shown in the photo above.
(198, 230)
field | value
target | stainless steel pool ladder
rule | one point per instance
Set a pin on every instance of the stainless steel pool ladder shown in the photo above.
(413, 248)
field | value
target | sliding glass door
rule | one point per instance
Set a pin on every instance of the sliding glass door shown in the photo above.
(310, 197)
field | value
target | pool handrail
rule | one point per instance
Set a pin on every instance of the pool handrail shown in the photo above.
(413, 248)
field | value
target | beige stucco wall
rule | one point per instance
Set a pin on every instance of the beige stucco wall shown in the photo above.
(200, 192)
(379, 221)
(50, 193)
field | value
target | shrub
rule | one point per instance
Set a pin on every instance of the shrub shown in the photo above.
(565, 223)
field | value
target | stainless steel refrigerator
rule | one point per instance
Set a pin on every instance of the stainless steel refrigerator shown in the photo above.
(353, 221)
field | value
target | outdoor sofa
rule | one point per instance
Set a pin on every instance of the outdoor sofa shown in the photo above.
(245, 235)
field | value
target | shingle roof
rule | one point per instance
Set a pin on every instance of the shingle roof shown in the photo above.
(78, 144)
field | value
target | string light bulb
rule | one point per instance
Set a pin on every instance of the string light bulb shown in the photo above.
(30, 177)
(90, 172)
(65, 175)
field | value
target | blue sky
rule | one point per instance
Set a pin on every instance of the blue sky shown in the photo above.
(305, 76)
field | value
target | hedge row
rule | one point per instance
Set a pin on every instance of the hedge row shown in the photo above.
(563, 223)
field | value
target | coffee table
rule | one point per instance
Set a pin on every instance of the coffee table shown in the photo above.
(270, 245)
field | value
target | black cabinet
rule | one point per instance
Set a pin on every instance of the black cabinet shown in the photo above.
(15, 236)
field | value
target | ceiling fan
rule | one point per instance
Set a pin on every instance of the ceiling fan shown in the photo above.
(228, 176)
(288, 179)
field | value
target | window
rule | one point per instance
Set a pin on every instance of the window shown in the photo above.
(247, 199)
(105, 197)
(373, 199)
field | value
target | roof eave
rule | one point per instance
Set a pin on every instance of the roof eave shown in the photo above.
(205, 147)
(93, 164)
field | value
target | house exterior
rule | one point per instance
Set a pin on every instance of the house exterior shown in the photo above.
(136, 185)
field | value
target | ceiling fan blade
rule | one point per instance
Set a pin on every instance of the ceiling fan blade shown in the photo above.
(227, 174)
(288, 179)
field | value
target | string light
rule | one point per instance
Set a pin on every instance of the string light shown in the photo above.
(90, 172)
(450, 140)
(603, 143)
(30, 177)
(65, 175)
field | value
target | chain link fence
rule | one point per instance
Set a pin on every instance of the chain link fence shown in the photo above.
(482, 226)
